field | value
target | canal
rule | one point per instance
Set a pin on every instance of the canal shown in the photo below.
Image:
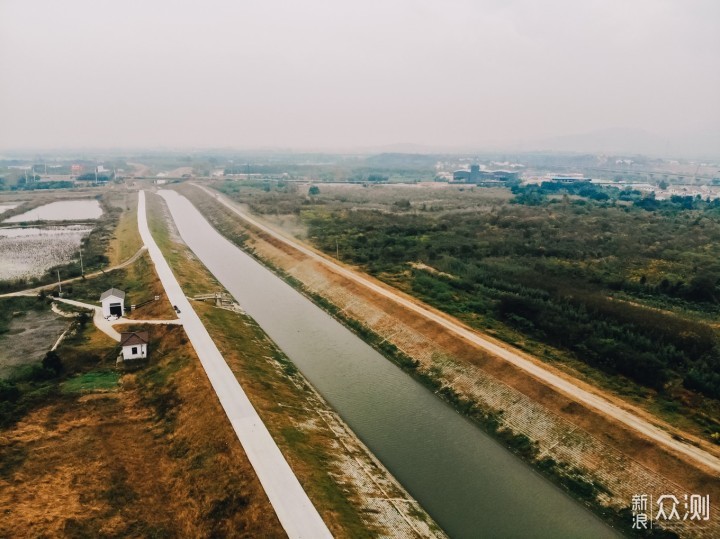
(471, 485)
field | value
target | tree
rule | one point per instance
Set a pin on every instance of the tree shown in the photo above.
(83, 318)
(8, 391)
(663, 185)
(703, 287)
(314, 190)
(377, 178)
(52, 362)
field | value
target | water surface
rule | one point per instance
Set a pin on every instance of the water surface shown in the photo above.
(63, 210)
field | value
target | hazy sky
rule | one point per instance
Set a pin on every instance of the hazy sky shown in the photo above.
(335, 73)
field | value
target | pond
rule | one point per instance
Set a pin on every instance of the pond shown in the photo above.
(30, 252)
(64, 210)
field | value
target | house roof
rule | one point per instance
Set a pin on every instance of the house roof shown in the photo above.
(132, 338)
(112, 292)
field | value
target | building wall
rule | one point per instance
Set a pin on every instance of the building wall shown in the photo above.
(140, 351)
(108, 301)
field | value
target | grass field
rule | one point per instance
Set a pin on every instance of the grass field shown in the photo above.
(143, 454)
(89, 382)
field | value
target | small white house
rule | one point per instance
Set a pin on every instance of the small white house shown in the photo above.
(113, 303)
(134, 344)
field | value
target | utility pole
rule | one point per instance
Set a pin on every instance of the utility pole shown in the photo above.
(82, 270)
(59, 284)
(337, 249)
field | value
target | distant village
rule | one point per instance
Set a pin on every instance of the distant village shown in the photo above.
(666, 178)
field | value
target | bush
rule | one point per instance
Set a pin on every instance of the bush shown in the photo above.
(52, 362)
(8, 392)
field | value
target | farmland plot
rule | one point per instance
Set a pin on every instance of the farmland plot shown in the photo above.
(30, 252)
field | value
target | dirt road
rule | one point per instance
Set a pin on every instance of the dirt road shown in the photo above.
(563, 385)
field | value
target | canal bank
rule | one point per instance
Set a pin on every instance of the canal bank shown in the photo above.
(467, 481)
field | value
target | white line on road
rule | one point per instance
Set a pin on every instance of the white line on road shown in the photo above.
(294, 509)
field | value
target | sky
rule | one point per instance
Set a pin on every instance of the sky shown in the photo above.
(336, 74)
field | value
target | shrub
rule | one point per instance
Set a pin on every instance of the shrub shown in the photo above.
(52, 362)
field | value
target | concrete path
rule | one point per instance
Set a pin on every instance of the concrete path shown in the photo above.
(294, 509)
(98, 319)
(563, 385)
(106, 326)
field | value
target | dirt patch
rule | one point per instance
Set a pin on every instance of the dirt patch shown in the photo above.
(30, 336)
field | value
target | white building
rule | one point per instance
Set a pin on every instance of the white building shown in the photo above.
(113, 303)
(134, 344)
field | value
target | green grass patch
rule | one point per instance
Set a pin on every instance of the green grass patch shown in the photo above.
(91, 381)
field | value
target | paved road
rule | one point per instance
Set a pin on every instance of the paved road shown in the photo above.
(294, 509)
(563, 385)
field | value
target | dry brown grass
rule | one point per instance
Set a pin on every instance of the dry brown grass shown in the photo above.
(126, 239)
(155, 458)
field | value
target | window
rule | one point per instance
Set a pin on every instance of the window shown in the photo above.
(134, 350)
